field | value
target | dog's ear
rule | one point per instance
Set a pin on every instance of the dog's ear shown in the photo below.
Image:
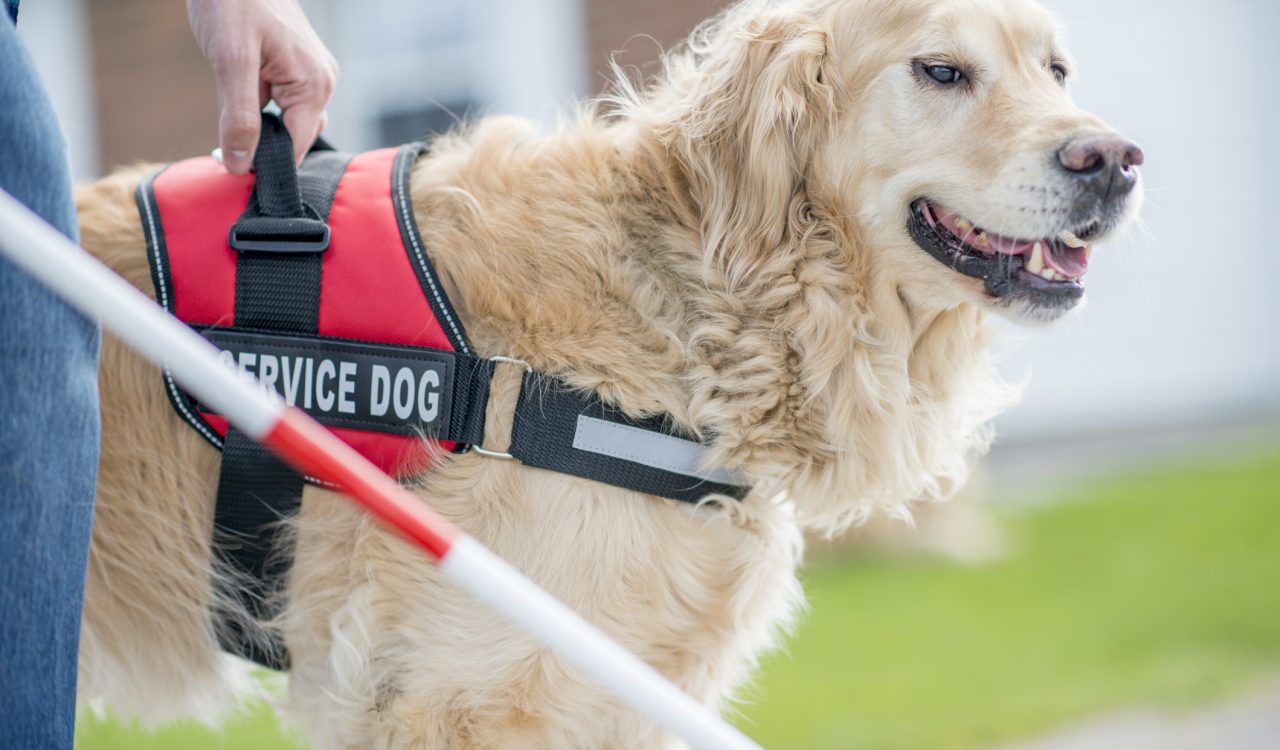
(759, 100)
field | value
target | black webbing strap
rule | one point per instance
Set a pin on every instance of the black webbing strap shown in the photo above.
(443, 395)
(279, 239)
(255, 492)
(471, 382)
(568, 431)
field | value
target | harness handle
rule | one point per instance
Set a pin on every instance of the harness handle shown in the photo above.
(280, 238)
(277, 220)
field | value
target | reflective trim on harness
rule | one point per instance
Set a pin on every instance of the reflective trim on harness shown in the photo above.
(653, 449)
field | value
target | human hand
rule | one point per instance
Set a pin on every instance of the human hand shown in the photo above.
(262, 50)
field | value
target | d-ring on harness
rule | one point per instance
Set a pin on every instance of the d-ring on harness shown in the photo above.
(316, 280)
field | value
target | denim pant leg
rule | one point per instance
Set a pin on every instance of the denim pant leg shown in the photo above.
(49, 427)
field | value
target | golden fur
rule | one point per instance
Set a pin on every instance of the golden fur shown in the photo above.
(726, 245)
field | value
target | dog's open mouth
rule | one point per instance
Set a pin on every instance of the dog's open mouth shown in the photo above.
(1047, 270)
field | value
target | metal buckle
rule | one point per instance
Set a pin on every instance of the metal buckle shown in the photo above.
(512, 361)
(491, 454)
(502, 454)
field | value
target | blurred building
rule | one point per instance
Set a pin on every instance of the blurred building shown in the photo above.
(1180, 326)
(408, 66)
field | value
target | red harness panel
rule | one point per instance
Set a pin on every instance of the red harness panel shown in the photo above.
(369, 288)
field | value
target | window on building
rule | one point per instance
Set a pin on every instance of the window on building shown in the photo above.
(414, 67)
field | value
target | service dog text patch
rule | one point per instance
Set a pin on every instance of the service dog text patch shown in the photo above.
(384, 388)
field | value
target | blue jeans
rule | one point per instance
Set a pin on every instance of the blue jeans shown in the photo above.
(48, 434)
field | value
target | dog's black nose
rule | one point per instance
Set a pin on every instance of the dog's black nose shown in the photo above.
(1104, 165)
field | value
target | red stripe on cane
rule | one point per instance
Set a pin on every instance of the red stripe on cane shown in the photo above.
(317, 452)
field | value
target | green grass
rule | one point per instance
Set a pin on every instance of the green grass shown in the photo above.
(1161, 588)
(256, 729)
(1158, 589)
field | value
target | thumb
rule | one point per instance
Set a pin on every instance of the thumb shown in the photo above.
(241, 117)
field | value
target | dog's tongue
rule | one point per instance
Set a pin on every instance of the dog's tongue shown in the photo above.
(1071, 262)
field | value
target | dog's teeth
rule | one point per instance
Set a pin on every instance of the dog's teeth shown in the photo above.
(1088, 251)
(1035, 264)
(981, 240)
(964, 226)
(1070, 240)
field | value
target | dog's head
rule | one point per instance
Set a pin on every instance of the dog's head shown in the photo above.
(941, 131)
(870, 177)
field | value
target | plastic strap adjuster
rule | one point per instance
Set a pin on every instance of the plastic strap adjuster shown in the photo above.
(270, 234)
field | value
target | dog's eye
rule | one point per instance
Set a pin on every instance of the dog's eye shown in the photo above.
(945, 75)
(1060, 73)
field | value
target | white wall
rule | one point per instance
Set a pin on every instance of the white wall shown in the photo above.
(532, 58)
(1182, 316)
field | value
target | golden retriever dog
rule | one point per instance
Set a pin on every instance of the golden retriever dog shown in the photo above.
(794, 239)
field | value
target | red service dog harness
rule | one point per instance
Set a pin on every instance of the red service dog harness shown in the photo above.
(316, 281)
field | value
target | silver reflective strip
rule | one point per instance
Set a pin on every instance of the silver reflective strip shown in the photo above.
(653, 449)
